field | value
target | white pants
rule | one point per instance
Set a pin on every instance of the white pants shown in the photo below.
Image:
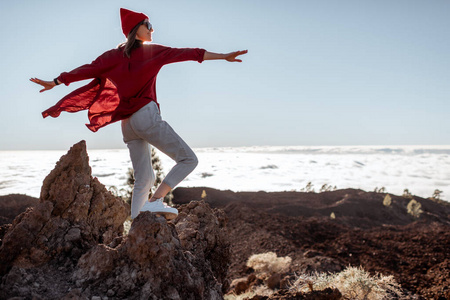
(142, 130)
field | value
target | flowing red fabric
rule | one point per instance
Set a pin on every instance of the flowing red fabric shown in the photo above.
(99, 97)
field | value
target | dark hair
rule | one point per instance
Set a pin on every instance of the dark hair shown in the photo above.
(131, 43)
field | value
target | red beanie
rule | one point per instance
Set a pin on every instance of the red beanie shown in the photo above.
(130, 19)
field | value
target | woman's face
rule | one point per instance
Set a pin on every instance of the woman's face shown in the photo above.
(144, 33)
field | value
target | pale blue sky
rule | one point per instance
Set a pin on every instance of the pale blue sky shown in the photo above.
(317, 72)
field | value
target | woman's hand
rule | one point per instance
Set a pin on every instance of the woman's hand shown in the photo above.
(48, 85)
(231, 57)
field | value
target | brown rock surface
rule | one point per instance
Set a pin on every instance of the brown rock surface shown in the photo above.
(365, 232)
(70, 245)
(74, 213)
(203, 232)
(13, 205)
(151, 262)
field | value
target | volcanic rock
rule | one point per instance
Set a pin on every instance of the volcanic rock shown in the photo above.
(365, 232)
(71, 245)
(13, 205)
(203, 232)
(75, 212)
(151, 263)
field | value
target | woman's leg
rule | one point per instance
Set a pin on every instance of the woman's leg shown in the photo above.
(149, 126)
(162, 190)
(143, 174)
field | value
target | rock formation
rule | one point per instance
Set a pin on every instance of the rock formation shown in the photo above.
(71, 245)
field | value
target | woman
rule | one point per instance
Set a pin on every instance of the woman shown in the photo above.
(124, 89)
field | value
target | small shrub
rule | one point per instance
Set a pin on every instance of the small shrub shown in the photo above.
(437, 198)
(258, 291)
(126, 226)
(122, 193)
(387, 201)
(356, 283)
(407, 194)
(244, 296)
(353, 283)
(313, 282)
(380, 190)
(332, 215)
(327, 188)
(436, 195)
(414, 208)
(267, 264)
(308, 188)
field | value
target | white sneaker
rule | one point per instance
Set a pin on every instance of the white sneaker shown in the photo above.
(160, 208)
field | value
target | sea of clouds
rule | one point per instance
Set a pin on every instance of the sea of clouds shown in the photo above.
(420, 169)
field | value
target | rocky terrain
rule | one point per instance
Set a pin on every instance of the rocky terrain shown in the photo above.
(381, 236)
(70, 243)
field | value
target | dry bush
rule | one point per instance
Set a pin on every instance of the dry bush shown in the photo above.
(308, 188)
(246, 295)
(414, 208)
(260, 290)
(266, 264)
(353, 283)
(127, 226)
(313, 282)
(407, 194)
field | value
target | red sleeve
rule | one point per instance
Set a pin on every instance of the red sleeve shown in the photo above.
(92, 70)
(170, 55)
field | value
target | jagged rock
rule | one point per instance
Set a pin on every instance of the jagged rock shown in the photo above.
(202, 231)
(70, 245)
(151, 262)
(75, 212)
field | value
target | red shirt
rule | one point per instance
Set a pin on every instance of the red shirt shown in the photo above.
(122, 85)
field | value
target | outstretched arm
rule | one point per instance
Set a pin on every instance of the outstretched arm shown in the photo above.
(48, 85)
(231, 57)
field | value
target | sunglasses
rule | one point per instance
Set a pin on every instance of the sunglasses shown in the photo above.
(148, 25)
